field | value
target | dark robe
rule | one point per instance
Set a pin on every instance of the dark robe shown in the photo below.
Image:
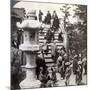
(49, 36)
(48, 18)
(40, 62)
(55, 23)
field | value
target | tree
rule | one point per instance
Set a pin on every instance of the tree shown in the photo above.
(65, 9)
(77, 32)
(66, 23)
(81, 26)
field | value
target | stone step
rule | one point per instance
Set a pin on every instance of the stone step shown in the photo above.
(48, 55)
(45, 30)
(58, 48)
(49, 64)
(44, 33)
(42, 38)
(57, 43)
(49, 50)
(48, 60)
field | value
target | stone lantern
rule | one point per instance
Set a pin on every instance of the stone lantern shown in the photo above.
(30, 46)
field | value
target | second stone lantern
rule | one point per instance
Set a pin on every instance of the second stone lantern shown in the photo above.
(30, 46)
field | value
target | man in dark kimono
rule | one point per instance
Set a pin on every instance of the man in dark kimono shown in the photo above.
(55, 21)
(49, 36)
(40, 15)
(48, 18)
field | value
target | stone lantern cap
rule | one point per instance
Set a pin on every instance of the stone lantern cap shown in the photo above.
(30, 23)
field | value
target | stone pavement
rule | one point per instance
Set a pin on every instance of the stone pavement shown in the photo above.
(72, 82)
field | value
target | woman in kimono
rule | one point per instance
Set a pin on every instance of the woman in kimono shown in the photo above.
(68, 73)
(79, 73)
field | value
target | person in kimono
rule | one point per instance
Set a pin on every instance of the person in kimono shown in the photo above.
(79, 73)
(48, 18)
(55, 23)
(68, 73)
(53, 78)
(49, 36)
(59, 63)
(53, 52)
(40, 15)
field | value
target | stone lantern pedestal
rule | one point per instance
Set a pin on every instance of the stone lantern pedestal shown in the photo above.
(30, 47)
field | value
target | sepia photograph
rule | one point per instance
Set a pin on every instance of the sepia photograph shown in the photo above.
(48, 44)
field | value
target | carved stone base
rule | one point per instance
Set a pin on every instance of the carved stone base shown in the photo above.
(27, 83)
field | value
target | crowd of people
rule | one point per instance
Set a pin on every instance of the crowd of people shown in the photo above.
(50, 19)
(61, 63)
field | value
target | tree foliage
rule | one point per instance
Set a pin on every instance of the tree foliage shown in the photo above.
(77, 32)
